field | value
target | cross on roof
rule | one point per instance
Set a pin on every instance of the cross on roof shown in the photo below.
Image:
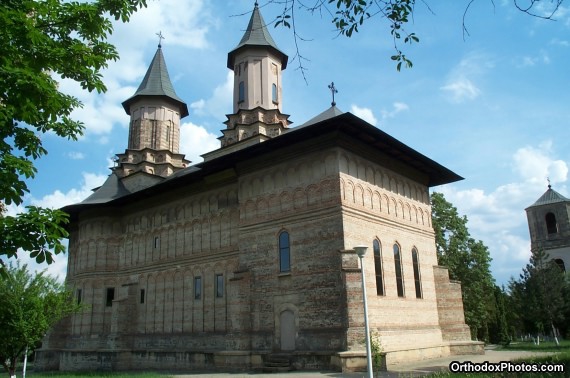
(160, 38)
(333, 91)
(548, 179)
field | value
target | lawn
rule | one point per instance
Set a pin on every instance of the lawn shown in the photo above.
(562, 356)
(545, 346)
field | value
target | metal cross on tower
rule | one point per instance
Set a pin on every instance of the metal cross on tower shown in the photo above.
(333, 91)
(160, 38)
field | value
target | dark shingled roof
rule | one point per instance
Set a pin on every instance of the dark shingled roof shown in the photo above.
(331, 112)
(111, 189)
(257, 34)
(549, 197)
(157, 82)
(345, 130)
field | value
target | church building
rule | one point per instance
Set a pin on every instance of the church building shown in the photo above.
(549, 227)
(248, 257)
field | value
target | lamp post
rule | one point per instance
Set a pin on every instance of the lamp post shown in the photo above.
(361, 251)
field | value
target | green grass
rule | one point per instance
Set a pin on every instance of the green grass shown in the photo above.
(544, 346)
(562, 357)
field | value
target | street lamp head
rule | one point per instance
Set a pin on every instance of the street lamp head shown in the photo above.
(360, 250)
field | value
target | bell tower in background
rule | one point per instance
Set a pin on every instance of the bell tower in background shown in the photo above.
(549, 226)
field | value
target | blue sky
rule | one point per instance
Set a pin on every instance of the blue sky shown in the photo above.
(493, 106)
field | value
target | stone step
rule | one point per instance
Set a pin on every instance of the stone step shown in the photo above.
(276, 363)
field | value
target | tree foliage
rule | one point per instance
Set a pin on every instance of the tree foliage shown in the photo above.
(42, 41)
(348, 16)
(468, 261)
(498, 314)
(539, 296)
(29, 306)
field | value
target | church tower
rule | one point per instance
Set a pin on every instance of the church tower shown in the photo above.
(154, 130)
(257, 99)
(549, 226)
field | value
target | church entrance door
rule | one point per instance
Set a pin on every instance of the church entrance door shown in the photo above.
(287, 325)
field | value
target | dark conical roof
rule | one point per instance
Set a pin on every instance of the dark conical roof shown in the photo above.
(156, 82)
(549, 197)
(257, 34)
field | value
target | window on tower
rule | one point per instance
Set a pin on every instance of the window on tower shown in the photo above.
(551, 225)
(241, 94)
(274, 93)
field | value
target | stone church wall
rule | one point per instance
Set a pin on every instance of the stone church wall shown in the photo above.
(299, 196)
(393, 209)
(150, 258)
(327, 201)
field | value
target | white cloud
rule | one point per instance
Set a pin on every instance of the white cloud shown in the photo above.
(183, 24)
(220, 102)
(99, 112)
(397, 107)
(364, 113)
(498, 218)
(560, 42)
(462, 89)
(195, 140)
(58, 199)
(530, 61)
(57, 269)
(460, 83)
(535, 165)
(76, 155)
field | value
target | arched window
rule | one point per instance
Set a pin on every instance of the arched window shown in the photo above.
(284, 252)
(378, 267)
(417, 280)
(560, 263)
(241, 92)
(398, 266)
(551, 226)
(274, 93)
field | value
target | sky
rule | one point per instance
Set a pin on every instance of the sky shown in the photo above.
(492, 105)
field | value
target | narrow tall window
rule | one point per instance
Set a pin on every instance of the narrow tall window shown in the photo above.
(241, 92)
(219, 285)
(79, 292)
(417, 279)
(398, 266)
(284, 252)
(110, 296)
(378, 267)
(153, 134)
(156, 242)
(274, 93)
(142, 296)
(197, 287)
(551, 226)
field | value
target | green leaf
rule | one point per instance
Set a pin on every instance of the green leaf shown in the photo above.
(42, 39)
